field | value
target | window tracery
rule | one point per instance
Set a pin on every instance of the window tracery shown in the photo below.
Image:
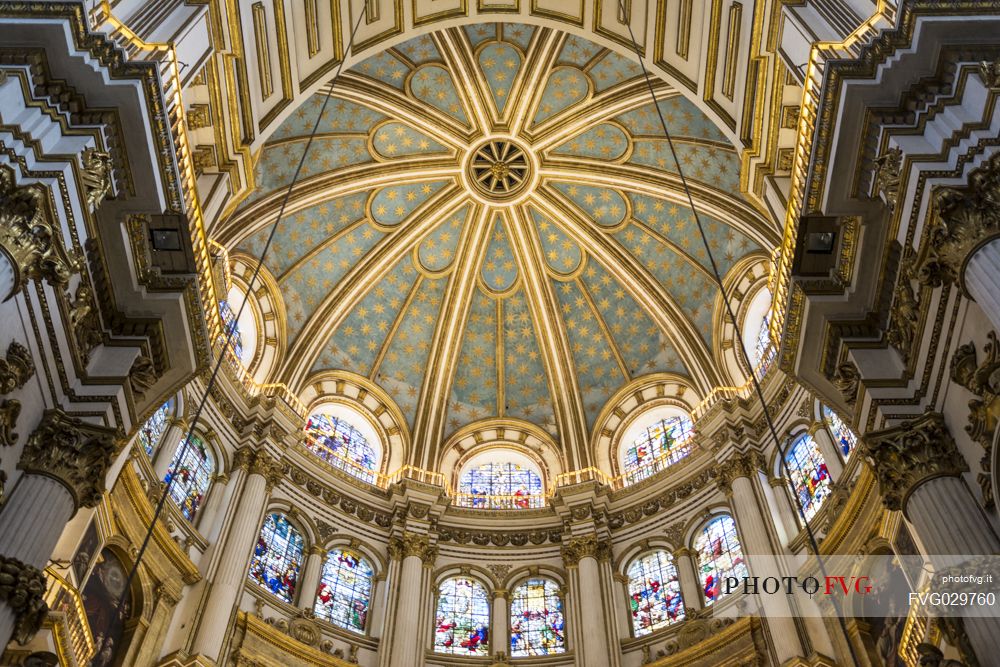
(277, 557)
(345, 589)
(537, 624)
(843, 435)
(495, 485)
(654, 593)
(343, 446)
(152, 431)
(720, 555)
(808, 475)
(190, 475)
(659, 445)
(463, 618)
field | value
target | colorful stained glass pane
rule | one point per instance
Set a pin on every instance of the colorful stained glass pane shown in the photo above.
(537, 624)
(661, 444)
(462, 622)
(231, 328)
(341, 445)
(719, 556)
(810, 478)
(152, 431)
(763, 351)
(654, 593)
(277, 557)
(842, 434)
(500, 486)
(345, 590)
(189, 476)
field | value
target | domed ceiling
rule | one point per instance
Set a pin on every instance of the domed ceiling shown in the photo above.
(490, 223)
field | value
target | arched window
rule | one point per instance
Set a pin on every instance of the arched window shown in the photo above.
(654, 593)
(462, 622)
(719, 556)
(343, 446)
(500, 485)
(277, 557)
(756, 332)
(231, 329)
(345, 589)
(809, 476)
(154, 428)
(657, 446)
(536, 619)
(841, 432)
(243, 344)
(189, 476)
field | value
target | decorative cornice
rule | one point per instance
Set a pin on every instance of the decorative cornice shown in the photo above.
(22, 588)
(413, 544)
(16, 369)
(588, 546)
(72, 452)
(905, 456)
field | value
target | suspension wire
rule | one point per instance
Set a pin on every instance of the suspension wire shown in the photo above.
(228, 346)
(813, 542)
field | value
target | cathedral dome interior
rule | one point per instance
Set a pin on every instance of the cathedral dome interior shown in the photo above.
(590, 333)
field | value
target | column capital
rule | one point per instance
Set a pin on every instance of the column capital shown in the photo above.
(682, 552)
(266, 466)
(413, 544)
(22, 587)
(316, 550)
(577, 548)
(242, 458)
(905, 456)
(16, 369)
(744, 464)
(72, 452)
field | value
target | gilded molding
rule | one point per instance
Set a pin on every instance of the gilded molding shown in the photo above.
(96, 176)
(413, 544)
(982, 380)
(887, 175)
(588, 546)
(265, 465)
(72, 452)
(22, 587)
(10, 409)
(904, 314)
(16, 369)
(989, 72)
(905, 456)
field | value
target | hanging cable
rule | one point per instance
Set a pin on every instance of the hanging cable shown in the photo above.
(813, 542)
(228, 345)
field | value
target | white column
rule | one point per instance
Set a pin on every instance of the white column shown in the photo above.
(231, 573)
(416, 555)
(312, 570)
(219, 493)
(592, 636)
(500, 623)
(8, 277)
(982, 279)
(784, 516)
(687, 575)
(168, 447)
(829, 450)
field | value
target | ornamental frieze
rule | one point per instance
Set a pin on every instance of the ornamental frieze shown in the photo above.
(983, 380)
(22, 588)
(905, 456)
(73, 452)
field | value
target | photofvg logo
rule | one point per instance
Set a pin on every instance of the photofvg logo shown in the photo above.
(861, 585)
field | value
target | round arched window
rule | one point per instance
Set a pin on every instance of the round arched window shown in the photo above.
(756, 332)
(345, 440)
(661, 439)
(241, 331)
(500, 479)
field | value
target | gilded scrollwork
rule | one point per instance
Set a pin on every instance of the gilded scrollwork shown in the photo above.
(847, 380)
(983, 380)
(22, 588)
(904, 315)
(989, 72)
(887, 175)
(413, 544)
(16, 369)
(73, 452)
(10, 409)
(96, 176)
(84, 320)
(904, 456)
(586, 546)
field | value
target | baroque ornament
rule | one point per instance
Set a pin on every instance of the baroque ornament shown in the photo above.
(96, 176)
(577, 548)
(22, 587)
(847, 379)
(28, 238)
(983, 380)
(10, 409)
(143, 375)
(16, 369)
(413, 544)
(73, 452)
(905, 456)
(904, 316)
(887, 168)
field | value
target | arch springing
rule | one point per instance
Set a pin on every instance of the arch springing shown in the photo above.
(654, 593)
(809, 478)
(660, 445)
(340, 444)
(152, 431)
(345, 589)
(462, 621)
(720, 555)
(843, 435)
(500, 486)
(277, 557)
(189, 476)
(537, 625)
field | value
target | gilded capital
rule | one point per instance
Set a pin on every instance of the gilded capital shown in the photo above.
(413, 544)
(22, 587)
(73, 453)
(265, 465)
(588, 546)
(16, 368)
(242, 459)
(745, 464)
(907, 455)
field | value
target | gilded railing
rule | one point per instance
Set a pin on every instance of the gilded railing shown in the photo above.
(74, 641)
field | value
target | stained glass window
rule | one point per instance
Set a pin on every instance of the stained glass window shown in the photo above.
(842, 433)
(654, 593)
(151, 432)
(660, 445)
(231, 326)
(189, 475)
(341, 445)
(719, 556)
(500, 486)
(810, 478)
(462, 623)
(763, 351)
(345, 589)
(277, 557)
(536, 619)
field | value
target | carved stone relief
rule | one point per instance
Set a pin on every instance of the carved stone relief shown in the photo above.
(983, 380)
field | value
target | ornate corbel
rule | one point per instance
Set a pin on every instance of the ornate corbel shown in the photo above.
(22, 587)
(84, 320)
(10, 409)
(989, 72)
(16, 369)
(887, 175)
(905, 456)
(142, 375)
(95, 176)
(904, 314)
(983, 380)
(28, 237)
(72, 452)
(847, 380)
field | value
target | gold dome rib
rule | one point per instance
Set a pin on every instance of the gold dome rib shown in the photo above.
(538, 62)
(459, 59)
